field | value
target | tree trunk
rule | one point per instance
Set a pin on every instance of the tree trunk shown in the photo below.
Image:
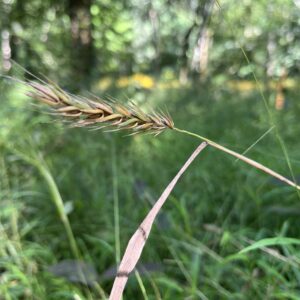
(82, 45)
(183, 73)
(200, 56)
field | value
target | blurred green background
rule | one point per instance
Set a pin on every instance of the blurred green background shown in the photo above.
(228, 70)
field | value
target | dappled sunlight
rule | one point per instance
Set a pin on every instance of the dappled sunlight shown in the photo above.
(139, 80)
(149, 82)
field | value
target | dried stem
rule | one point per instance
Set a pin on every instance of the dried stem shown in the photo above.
(241, 157)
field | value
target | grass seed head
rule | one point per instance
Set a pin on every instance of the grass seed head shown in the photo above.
(84, 112)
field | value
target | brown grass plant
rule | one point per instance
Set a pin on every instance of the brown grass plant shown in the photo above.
(115, 116)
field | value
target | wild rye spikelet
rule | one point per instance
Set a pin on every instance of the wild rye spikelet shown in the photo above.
(85, 112)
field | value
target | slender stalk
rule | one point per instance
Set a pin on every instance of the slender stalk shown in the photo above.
(60, 208)
(14, 216)
(116, 203)
(56, 197)
(141, 284)
(241, 157)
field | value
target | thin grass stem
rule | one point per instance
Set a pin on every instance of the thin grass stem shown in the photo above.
(116, 203)
(256, 142)
(245, 159)
(141, 284)
(56, 197)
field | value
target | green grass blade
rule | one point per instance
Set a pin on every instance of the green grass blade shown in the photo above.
(54, 191)
(277, 241)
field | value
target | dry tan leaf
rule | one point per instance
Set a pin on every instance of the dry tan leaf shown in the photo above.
(138, 240)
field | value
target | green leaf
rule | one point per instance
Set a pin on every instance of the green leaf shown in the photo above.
(270, 242)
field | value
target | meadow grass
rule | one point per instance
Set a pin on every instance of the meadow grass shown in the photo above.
(219, 207)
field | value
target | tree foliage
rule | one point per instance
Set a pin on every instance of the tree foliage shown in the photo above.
(81, 39)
